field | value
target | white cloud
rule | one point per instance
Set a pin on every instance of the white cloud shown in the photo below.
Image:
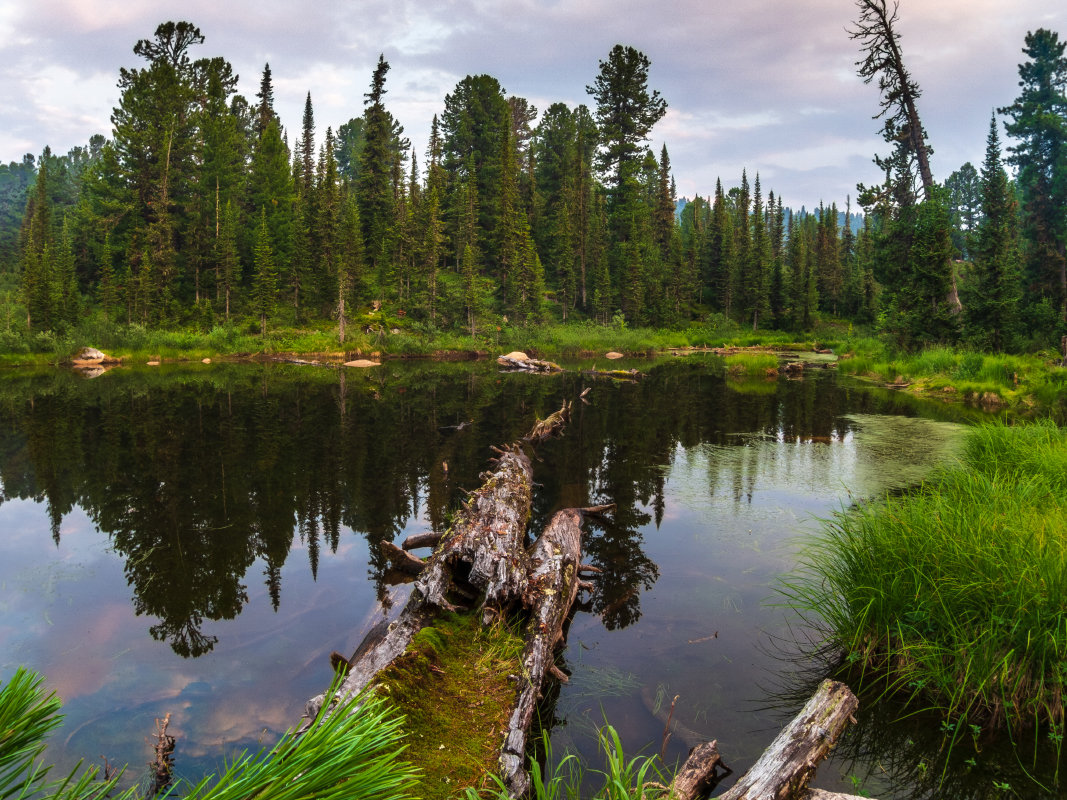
(767, 84)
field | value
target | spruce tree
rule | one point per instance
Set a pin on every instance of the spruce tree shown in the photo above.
(992, 307)
(349, 260)
(36, 255)
(1039, 125)
(377, 160)
(265, 109)
(264, 275)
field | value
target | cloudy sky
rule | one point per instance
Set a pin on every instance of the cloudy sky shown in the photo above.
(767, 85)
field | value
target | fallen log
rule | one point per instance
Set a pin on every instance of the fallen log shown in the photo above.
(401, 559)
(784, 769)
(528, 364)
(417, 540)
(616, 374)
(482, 564)
(699, 774)
(552, 588)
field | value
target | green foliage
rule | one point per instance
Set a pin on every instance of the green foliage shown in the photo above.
(351, 750)
(949, 594)
(1039, 124)
(636, 778)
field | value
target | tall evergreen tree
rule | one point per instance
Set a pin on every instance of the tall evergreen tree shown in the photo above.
(377, 162)
(227, 260)
(264, 276)
(1039, 124)
(37, 248)
(265, 109)
(993, 304)
(625, 112)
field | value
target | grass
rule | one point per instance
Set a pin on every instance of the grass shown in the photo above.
(352, 750)
(952, 594)
(752, 364)
(369, 332)
(623, 778)
(990, 379)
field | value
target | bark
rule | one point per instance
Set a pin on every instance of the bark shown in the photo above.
(485, 551)
(784, 769)
(402, 559)
(698, 774)
(483, 555)
(555, 559)
(417, 540)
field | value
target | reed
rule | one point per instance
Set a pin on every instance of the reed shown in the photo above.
(352, 749)
(952, 593)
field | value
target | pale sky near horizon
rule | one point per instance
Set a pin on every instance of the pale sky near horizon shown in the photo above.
(765, 85)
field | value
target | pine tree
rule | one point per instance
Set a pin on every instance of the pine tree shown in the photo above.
(1039, 124)
(155, 137)
(626, 113)
(264, 275)
(991, 311)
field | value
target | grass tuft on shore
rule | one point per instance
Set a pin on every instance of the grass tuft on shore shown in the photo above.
(952, 594)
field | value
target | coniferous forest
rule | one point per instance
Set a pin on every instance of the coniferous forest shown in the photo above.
(203, 209)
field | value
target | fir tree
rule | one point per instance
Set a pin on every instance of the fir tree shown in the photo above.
(1039, 124)
(264, 275)
(991, 311)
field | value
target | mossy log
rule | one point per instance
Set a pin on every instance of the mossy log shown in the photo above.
(784, 769)
(482, 564)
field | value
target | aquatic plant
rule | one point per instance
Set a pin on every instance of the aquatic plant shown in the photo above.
(951, 594)
(752, 364)
(623, 778)
(351, 750)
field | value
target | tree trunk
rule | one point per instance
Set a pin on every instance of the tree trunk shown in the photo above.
(553, 586)
(483, 555)
(784, 769)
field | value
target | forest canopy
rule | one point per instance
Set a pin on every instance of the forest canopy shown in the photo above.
(196, 212)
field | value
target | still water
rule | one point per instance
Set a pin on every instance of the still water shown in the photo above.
(197, 539)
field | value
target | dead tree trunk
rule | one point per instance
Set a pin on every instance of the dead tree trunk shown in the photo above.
(784, 769)
(481, 557)
(555, 559)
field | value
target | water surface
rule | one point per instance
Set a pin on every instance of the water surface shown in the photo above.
(196, 540)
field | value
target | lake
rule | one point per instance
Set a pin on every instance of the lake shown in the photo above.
(196, 539)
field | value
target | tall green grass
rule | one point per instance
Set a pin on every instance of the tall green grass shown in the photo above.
(622, 778)
(351, 750)
(752, 364)
(1012, 378)
(954, 594)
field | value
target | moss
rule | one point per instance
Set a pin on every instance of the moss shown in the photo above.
(452, 685)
